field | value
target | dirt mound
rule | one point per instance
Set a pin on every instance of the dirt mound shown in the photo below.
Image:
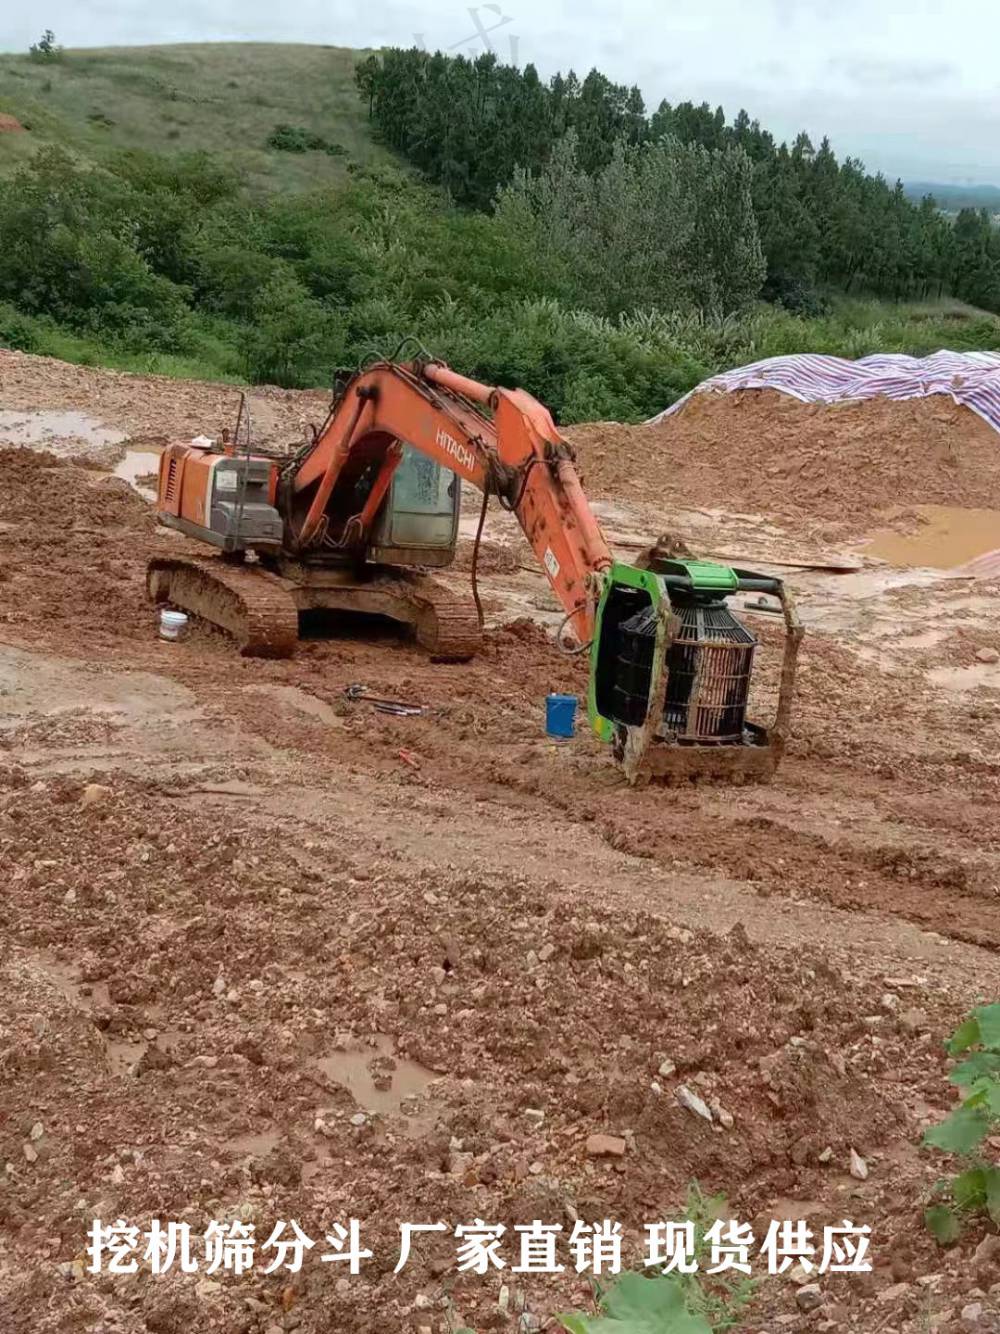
(155, 409)
(10, 124)
(762, 451)
(73, 546)
(550, 1022)
(53, 495)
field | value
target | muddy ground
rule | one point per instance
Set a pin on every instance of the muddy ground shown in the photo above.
(269, 954)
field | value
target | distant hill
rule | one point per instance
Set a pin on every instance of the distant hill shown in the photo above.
(952, 198)
(225, 98)
(228, 98)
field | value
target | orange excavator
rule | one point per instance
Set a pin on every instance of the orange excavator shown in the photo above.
(358, 519)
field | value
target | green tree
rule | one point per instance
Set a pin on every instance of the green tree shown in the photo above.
(976, 259)
(293, 340)
(45, 49)
(664, 224)
(479, 126)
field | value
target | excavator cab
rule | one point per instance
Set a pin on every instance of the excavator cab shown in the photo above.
(418, 522)
(670, 673)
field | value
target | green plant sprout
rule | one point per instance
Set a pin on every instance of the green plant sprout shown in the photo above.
(670, 1303)
(976, 1187)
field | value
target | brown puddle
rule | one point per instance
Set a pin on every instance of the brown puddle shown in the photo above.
(61, 433)
(75, 434)
(298, 701)
(257, 1145)
(403, 1080)
(139, 467)
(947, 537)
(122, 1055)
(961, 680)
(64, 975)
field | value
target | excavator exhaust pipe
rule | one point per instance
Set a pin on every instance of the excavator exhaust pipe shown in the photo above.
(671, 671)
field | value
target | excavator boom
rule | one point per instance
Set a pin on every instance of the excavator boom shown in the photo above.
(503, 441)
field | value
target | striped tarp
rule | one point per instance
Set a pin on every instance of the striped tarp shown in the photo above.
(969, 378)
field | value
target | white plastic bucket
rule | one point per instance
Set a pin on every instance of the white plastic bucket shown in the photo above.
(172, 624)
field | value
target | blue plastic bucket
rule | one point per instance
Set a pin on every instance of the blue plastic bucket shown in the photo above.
(560, 715)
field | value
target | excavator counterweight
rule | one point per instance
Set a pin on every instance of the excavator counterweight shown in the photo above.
(356, 519)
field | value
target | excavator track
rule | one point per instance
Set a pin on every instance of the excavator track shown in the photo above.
(255, 607)
(260, 609)
(448, 626)
(444, 623)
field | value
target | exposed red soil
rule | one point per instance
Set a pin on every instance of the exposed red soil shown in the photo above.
(511, 916)
(762, 451)
(154, 409)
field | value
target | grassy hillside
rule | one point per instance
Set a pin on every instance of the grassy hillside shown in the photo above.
(209, 253)
(223, 98)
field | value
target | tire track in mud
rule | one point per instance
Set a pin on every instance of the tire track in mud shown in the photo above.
(951, 892)
(801, 838)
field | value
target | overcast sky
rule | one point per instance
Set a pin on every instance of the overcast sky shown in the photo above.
(910, 86)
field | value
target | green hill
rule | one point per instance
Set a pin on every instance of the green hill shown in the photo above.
(212, 250)
(224, 98)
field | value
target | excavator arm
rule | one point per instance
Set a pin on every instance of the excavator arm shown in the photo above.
(502, 441)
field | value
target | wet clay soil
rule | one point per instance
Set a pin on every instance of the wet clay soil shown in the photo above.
(268, 953)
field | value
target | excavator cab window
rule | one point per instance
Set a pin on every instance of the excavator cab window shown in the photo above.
(421, 510)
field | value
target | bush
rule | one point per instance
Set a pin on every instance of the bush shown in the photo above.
(297, 139)
(17, 330)
(793, 294)
(293, 340)
(231, 278)
(965, 1133)
(169, 261)
(581, 366)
